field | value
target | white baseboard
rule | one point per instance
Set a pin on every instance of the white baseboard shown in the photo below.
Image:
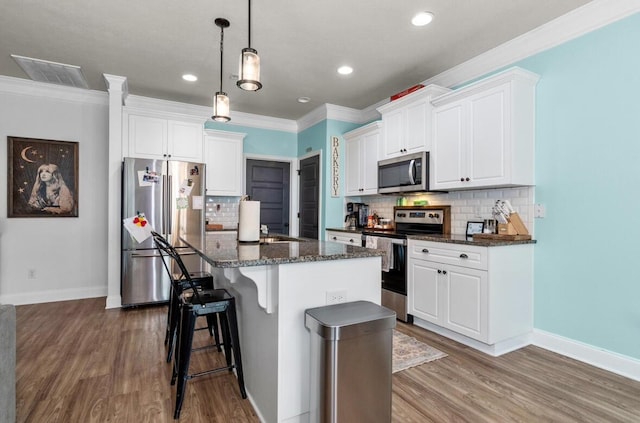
(598, 357)
(594, 356)
(494, 350)
(113, 301)
(54, 295)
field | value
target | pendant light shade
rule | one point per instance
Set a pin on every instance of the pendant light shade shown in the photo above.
(221, 109)
(249, 73)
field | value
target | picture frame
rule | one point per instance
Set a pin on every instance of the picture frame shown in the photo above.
(42, 178)
(474, 228)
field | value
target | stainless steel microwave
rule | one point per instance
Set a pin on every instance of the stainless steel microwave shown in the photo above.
(407, 173)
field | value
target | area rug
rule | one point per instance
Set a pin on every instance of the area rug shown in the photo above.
(409, 352)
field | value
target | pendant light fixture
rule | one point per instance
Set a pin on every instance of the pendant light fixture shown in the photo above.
(220, 100)
(249, 75)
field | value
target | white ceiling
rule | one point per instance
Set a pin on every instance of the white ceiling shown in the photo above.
(301, 43)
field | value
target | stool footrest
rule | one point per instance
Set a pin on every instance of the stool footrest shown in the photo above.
(208, 372)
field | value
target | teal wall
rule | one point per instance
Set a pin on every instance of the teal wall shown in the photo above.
(318, 138)
(587, 279)
(262, 141)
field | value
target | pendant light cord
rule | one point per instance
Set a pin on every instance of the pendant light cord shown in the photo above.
(221, 47)
(249, 23)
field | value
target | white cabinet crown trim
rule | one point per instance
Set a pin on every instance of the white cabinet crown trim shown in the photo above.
(511, 74)
(430, 91)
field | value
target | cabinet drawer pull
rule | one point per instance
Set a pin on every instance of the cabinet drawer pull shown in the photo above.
(439, 271)
(334, 238)
(444, 272)
(464, 256)
(424, 250)
(351, 240)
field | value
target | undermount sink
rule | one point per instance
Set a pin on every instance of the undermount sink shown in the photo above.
(275, 239)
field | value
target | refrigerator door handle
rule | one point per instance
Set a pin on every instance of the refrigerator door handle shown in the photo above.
(168, 210)
(163, 205)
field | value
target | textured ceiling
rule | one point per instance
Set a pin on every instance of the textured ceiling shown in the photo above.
(301, 44)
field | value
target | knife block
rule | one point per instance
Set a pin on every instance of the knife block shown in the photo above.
(515, 226)
(506, 229)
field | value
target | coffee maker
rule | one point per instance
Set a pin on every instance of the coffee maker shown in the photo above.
(357, 214)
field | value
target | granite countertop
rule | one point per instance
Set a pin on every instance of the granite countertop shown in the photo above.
(452, 239)
(463, 239)
(223, 251)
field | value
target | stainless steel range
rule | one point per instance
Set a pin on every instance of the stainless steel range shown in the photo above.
(408, 221)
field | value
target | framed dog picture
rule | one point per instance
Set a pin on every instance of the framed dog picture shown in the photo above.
(42, 178)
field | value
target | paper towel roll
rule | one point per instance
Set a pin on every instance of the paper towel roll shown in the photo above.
(249, 252)
(249, 221)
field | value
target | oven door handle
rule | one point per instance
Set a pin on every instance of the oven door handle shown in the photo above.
(393, 240)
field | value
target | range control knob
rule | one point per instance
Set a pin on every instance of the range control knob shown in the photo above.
(436, 215)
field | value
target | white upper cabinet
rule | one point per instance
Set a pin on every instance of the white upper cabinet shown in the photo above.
(406, 123)
(223, 157)
(483, 134)
(361, 160)
(153, 136)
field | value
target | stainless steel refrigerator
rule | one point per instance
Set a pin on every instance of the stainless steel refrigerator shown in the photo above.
(171, 195)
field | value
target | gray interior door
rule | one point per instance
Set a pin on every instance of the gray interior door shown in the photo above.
(309, 196)
(269, 183)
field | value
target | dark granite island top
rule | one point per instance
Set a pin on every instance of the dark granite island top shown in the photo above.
(224, 251)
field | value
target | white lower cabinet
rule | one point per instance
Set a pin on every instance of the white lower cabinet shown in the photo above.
(483, 293)
(344, 237)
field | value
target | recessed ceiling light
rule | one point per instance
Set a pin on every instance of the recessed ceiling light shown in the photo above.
(422, 19)
(189, 77)
(303, 99)
(345, 70)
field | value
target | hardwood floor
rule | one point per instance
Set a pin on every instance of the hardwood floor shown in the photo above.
(77, 362)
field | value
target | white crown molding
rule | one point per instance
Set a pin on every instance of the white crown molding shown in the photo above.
(136, 102)
(581, 21)
(607, 360)
(225, 134)
(362, 130)
(203, 113)
(341, 113)
(263, 122)
(23, 86)
(117, 83)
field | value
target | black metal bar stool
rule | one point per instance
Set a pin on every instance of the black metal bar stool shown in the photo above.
(202, 280)
(193, 303)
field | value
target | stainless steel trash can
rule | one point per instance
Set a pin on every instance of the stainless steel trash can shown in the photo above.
(351, 353)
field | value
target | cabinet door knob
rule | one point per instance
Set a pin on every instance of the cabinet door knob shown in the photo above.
(424, 250)
(444, 272)
(334, 238)
(467, 179)
(464, 256)
(351, 240)
(439, 271)
(461, 179)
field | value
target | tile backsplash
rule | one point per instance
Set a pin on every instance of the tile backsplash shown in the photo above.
(222, 210)
(465, 205)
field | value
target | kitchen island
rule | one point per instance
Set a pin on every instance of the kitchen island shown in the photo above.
(274, 284)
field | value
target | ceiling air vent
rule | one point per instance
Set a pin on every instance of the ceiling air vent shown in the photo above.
(52, 72)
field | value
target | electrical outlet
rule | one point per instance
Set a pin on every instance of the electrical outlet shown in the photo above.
(539, 211)
(335, 297)
(31, 274)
